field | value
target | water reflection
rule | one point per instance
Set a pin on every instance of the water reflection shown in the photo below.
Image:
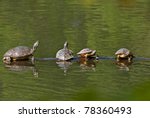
(64, 65)
(87, 64)
(126, 3)
(19, 66)
(123, 64)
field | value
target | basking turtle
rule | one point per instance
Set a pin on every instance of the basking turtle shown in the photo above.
(64, 54)
(20, 53)
(124, 53)
(86, 52)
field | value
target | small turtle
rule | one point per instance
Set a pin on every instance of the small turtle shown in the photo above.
(20, 53)
(124, 53)
(64, 54)
(86, 52)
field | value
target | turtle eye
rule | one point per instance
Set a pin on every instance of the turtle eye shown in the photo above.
(4, 59)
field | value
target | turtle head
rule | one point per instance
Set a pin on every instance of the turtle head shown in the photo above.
(7, 60)
(90, 54)
(66, 45)
(35, 45)
(93, 52)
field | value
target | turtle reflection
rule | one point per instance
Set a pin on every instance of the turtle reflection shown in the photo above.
(87, 65)
(64, 65)
(19, 66)
(123, 64)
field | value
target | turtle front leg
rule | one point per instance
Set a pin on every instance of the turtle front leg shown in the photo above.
(86, 57)
(118, 57)
(33, 60)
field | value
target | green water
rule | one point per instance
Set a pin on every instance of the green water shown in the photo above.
(102, 25)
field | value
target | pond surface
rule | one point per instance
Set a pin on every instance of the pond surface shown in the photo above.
(97, 24)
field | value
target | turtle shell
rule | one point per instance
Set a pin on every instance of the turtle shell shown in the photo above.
(85, 51)
(123, 52)
(64, 54)
(20, 52)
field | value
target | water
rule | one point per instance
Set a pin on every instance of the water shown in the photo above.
(97, 24)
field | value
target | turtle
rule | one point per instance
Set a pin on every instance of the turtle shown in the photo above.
(86, 52)
(20, 53)
(64, 54)
(124, 53)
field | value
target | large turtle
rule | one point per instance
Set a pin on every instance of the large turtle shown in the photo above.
(20, 53)
(86, 52)
(124, 53)
(64, 54)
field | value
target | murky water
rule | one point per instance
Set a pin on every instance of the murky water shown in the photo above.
(97, 24)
